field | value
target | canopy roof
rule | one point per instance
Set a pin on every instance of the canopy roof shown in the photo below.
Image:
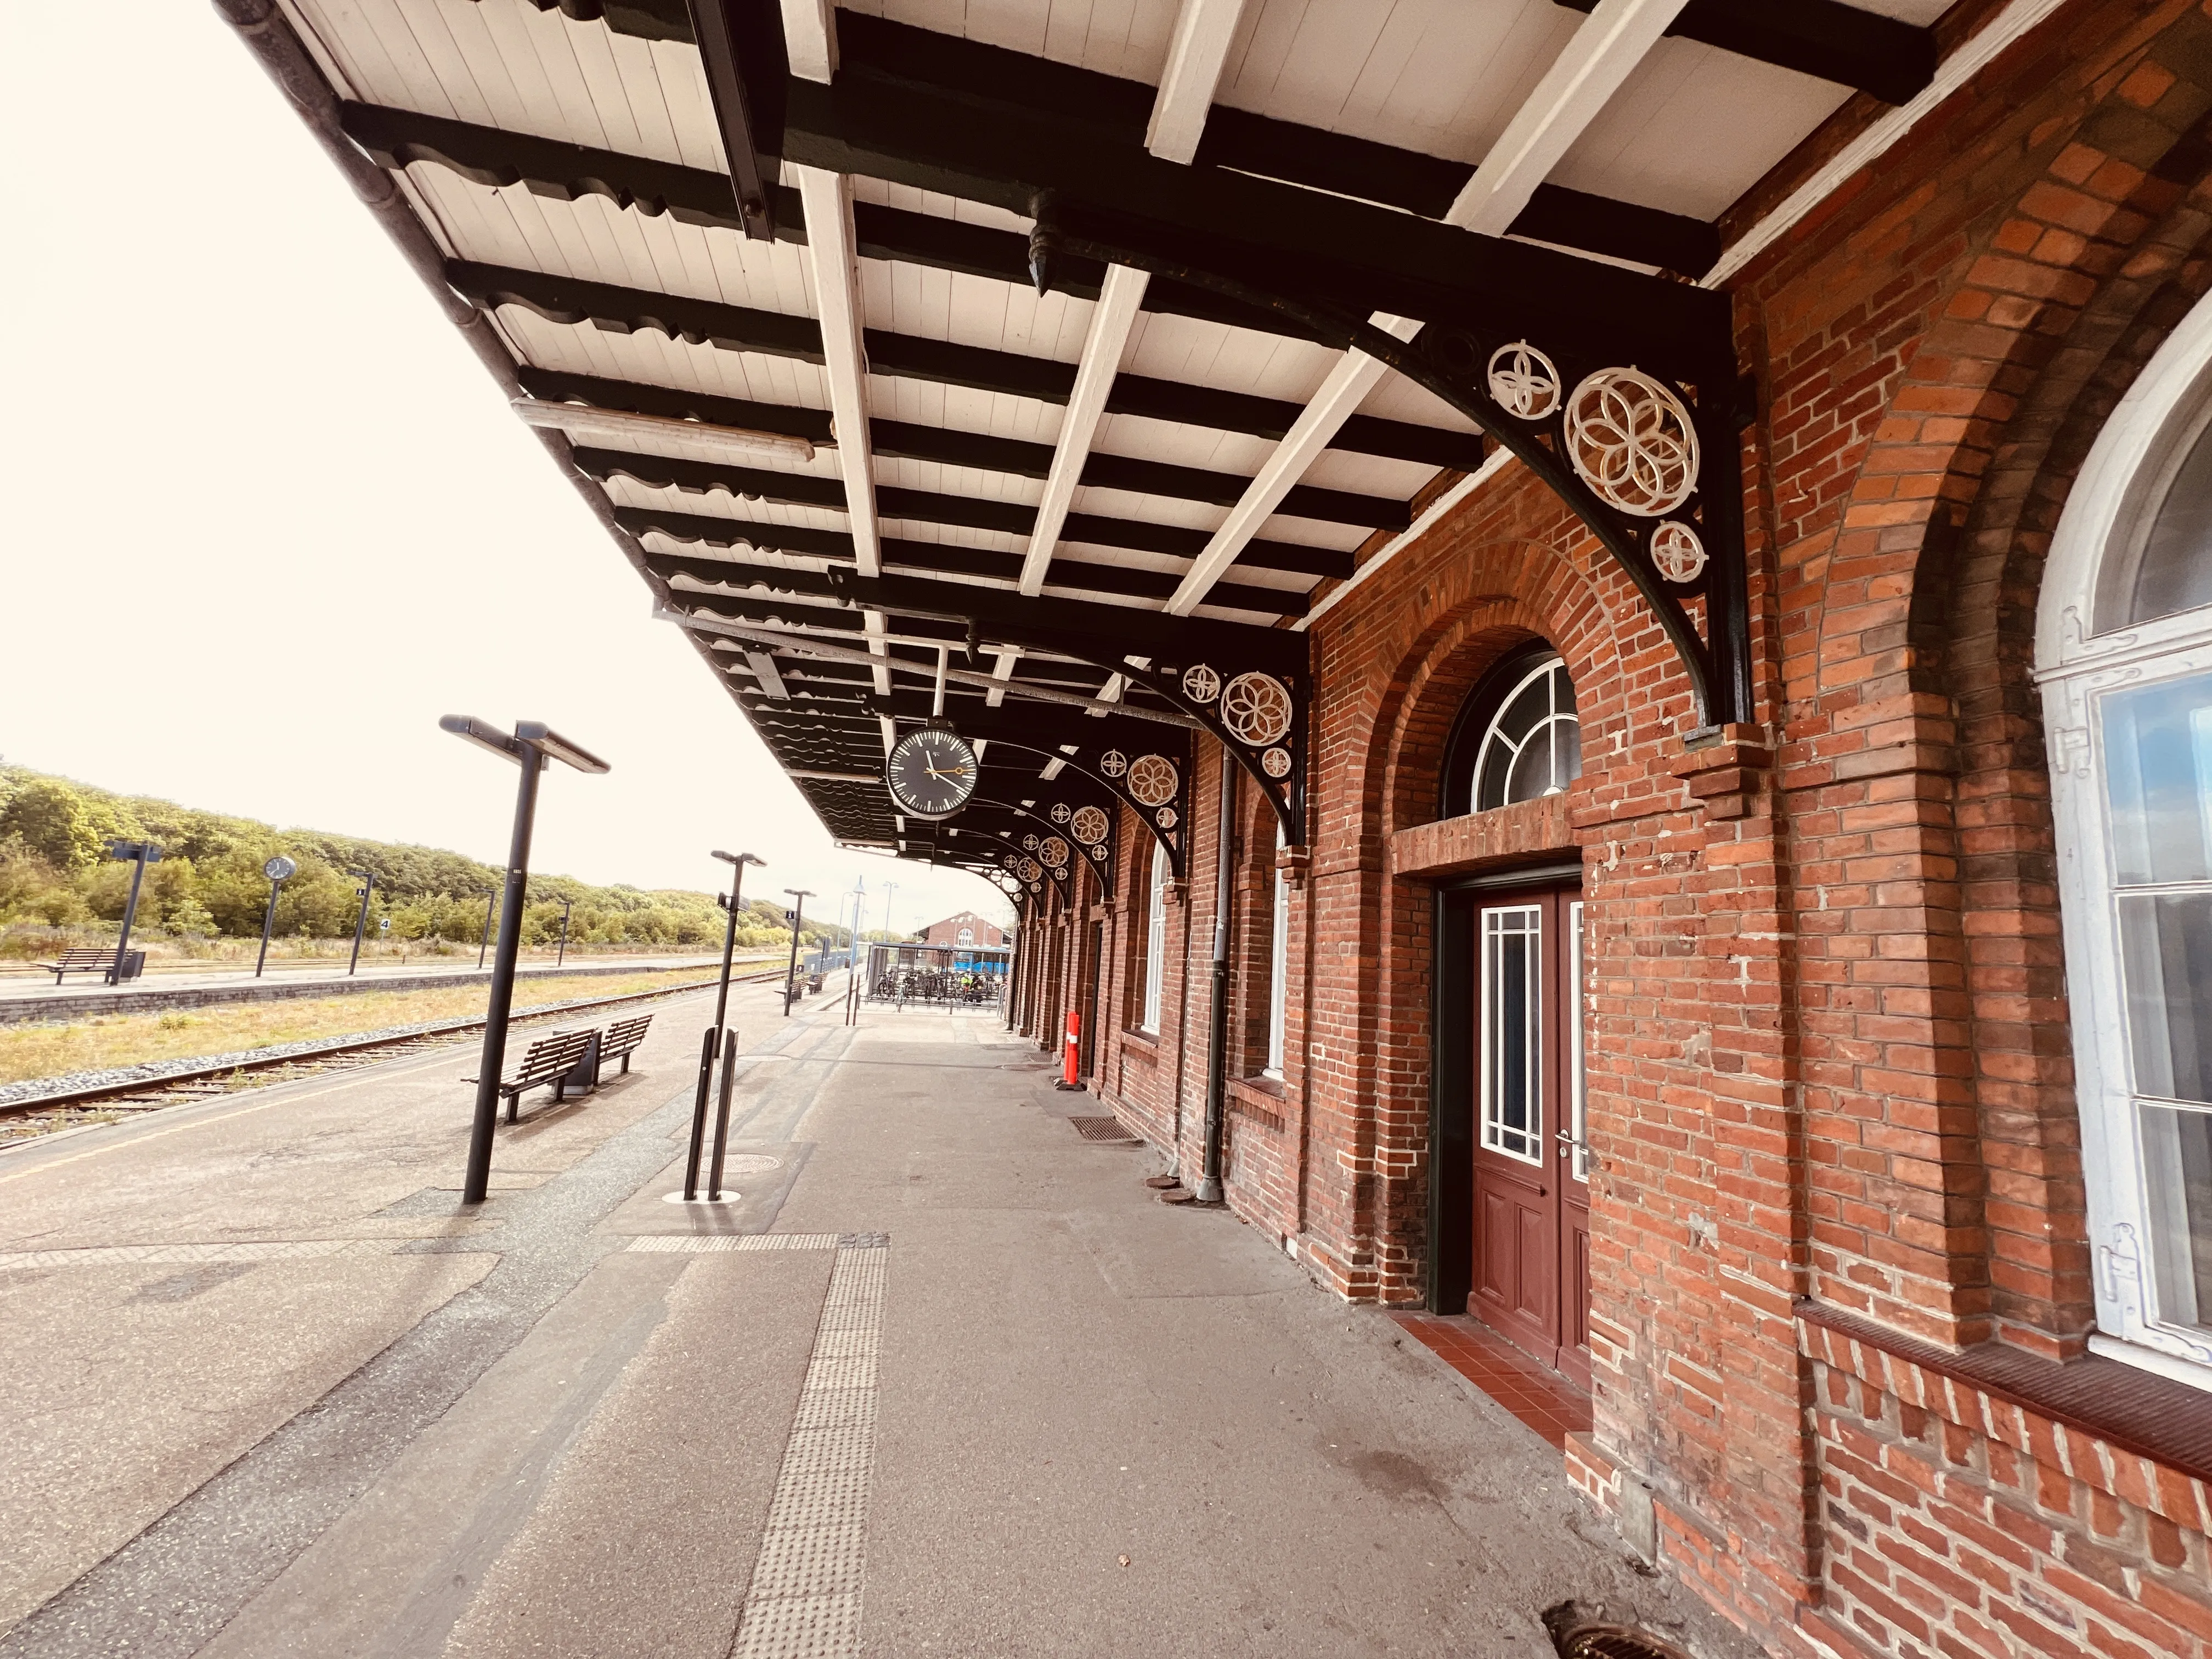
(851, 418)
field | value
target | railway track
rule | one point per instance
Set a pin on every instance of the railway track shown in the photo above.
(39, 1114)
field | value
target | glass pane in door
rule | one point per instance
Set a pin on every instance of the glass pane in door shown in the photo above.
(1512, 1032)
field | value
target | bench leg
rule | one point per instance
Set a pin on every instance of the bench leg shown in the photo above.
(625, 1064)
(513, 1102)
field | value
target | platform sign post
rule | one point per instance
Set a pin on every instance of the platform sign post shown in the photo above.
(532, 747)
(736, 862)
(279, 870)
(141, 853)
(567, 906)
(367, 880)
(798, 916)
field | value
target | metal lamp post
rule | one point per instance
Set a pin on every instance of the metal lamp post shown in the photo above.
(738, 862)
(368, 879)
(491, 910)
(279, 870)
(141, 852)
(562, 960)
(798, 917)
(531, 747)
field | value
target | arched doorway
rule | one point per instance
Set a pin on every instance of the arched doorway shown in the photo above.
(1511, 1213)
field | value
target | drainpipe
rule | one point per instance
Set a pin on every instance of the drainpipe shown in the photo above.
(1217, 1036)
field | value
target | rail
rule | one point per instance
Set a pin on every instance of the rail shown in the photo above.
(317, 1057)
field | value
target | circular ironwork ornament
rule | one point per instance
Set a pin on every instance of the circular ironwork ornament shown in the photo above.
(1276, 763)
(1029, 842)
(1089, 824)
(1524, 381)
(1256, 709)
(1113, 763)
(1165, 818)
(1630, 439)
(1152, 780)
(1677, 551)
(1053, 851)
(1201, 684)
(1060, 812)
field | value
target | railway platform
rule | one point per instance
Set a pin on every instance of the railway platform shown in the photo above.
(942, 1379)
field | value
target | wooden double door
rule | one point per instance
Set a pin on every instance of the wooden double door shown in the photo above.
(1517, 1068)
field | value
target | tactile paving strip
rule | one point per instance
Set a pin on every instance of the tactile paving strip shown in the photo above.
(804, 1602)
(685, 1244)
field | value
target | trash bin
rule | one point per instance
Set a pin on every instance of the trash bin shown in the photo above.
(133, 964)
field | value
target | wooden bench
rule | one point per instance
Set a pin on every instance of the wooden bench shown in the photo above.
(623, 1038)
(79, 961)
(548, 1061)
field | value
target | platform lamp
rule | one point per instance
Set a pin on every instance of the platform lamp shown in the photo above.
(279, 870)
(368, 879)
(532, 747)
(797, 913)
(736, 862)
(142, 853)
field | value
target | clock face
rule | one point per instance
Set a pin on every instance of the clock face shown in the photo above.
(931, 773)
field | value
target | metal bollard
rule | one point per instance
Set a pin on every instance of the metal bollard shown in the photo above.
(722, 1113)
(699, 1114)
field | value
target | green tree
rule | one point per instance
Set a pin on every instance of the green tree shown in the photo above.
(54, 821)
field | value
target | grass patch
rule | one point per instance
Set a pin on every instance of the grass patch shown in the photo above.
(111, 1041)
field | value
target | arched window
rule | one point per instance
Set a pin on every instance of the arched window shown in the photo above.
(2124, 649)
(1518, 736)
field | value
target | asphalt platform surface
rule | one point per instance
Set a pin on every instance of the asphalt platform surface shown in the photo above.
(937, 1377)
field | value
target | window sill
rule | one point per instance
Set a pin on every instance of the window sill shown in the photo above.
(1259, 1100)
(1146, 1045)
(2125, 1405)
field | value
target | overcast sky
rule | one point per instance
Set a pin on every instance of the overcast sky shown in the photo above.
(268, 518)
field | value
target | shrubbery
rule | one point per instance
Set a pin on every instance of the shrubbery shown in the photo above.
(53, 874)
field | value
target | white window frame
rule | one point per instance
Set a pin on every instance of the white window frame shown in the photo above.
(2123, 479)
(1156, 939)
(1278, 968)
(1495, 924)
(1552, 663)
(1577, 1101)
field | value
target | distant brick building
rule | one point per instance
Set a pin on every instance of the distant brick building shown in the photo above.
(965, 929)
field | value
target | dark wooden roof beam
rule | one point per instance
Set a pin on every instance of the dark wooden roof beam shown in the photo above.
(571, 302)
(1884, 56)
(927, 507)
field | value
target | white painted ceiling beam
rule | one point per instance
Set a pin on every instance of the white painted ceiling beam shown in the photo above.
(1204, 31)
(827, 200)
(810, 39)
(1606, 49)
(1111, 319)
(1612, 41)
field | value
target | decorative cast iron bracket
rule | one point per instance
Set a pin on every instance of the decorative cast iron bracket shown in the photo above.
(1645, 459)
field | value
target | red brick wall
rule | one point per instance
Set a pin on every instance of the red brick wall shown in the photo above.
(1828, 1032)
(1828, 1044)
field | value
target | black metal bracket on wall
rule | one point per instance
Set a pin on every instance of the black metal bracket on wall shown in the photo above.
(1646, 459)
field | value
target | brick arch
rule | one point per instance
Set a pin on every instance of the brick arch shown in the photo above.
(1497, 593)
(1914, 603)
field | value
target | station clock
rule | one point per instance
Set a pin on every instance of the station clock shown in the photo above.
(931, 773)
